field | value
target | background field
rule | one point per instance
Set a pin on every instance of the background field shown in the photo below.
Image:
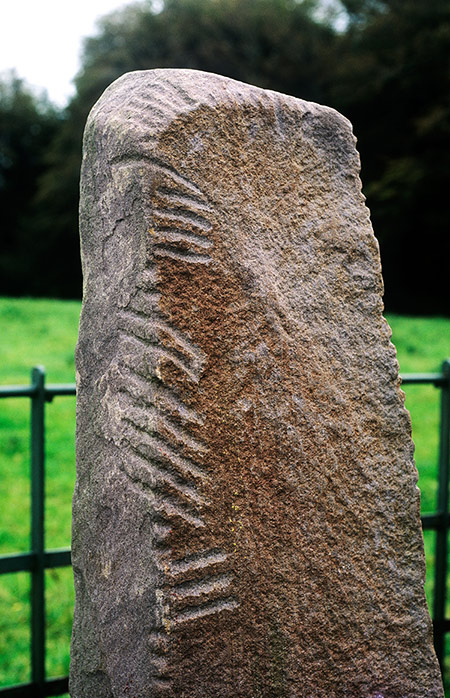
(44, 332)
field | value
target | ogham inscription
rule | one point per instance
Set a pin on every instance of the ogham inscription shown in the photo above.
(245, 514)
(161, 457)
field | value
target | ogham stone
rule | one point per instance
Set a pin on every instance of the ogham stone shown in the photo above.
(246, 515)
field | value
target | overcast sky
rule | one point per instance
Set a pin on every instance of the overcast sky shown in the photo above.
(42, 39)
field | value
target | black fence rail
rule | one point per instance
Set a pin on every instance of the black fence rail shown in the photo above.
(439, 521)
(38, 559)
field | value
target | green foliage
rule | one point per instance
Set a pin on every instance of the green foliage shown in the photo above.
(270, 43)
(393, 83)
(27, 125)
(44, 332)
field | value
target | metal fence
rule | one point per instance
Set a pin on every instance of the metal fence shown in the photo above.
(38, 559)
(439, 521)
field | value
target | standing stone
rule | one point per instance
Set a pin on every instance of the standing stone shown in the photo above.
(246, 516)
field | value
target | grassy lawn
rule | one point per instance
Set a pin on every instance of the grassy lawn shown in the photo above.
(35, 332)
(44, 332)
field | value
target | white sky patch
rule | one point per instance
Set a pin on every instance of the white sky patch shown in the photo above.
(42, 40)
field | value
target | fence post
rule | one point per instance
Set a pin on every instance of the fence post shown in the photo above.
(37, 532)
(440, 582)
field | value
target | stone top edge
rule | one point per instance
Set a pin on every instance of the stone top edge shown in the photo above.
(185, 90)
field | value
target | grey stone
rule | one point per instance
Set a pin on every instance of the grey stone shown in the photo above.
(246, 515)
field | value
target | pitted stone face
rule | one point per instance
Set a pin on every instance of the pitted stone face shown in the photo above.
(246, 516)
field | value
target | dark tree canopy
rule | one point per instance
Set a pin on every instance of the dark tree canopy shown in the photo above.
(27, 125)
(394, 85)
(387, 69)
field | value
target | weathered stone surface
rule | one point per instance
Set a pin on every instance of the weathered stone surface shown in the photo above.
(246, 516)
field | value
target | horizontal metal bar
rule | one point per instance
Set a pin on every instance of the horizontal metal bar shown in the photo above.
(60, 557)
(52, 687)
(436, 379)
(25, 562)
(443, 626)
(17, 390)
(433, 521)
(50, 391)
(60, 389)
(18, 562)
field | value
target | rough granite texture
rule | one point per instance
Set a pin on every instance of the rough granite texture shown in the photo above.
(246, 515)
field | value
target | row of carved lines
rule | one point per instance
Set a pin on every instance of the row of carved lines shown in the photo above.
(143, 108)
(182, 198)
(187, 591)
(187, 598)
(192, 563)
(143, 338)
(160, 168)
(166, 467)
(163, 504)
(158, 471)
(210, 607)
(149, 105)
(187, 465)
(213, 606)
(144, 321)
(165, 229)
(139, 327)
(162, 676)
(161, 468)
(152, 419)
(192, 612)
(188, 595)
(162, 98)
(182, 488)
(165, 452)
(166, 396)
(184, 216)
(190, 589)
(144, 314)
(173, 94)
(156, 432)
(154, 348)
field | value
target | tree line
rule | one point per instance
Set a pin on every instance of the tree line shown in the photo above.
(385, 64)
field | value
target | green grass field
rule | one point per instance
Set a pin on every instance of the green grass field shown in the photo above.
(44, 332)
